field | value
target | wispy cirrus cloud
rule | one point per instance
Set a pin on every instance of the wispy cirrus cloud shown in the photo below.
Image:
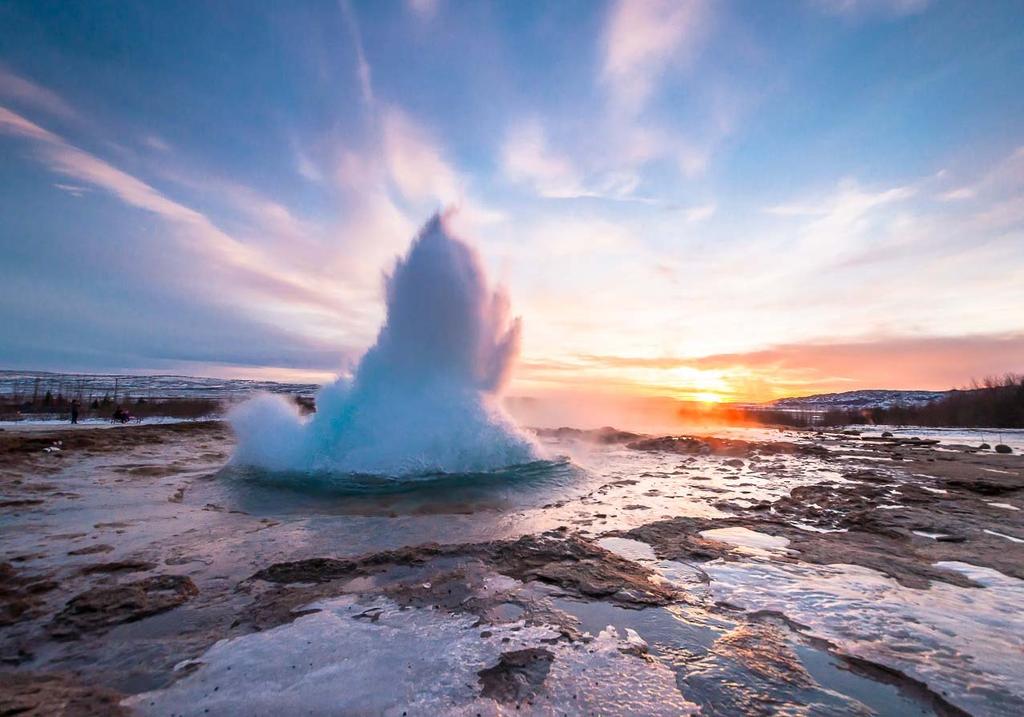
(201, 234)
(1002, 177)
(642, 39)
(957, 195)
(14, 124)
(826, 229)
(644, 43)
(527, 158)
(578, 236)
(399, 159)
(846, 203)
(415, 164)
(16, 88)
(74, 190)
(700, 213)
(156, 142)
(425, 9)
(871, 8)
(363, 70)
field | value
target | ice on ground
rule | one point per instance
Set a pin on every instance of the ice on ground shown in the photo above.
(628, 548)
(964, 643)
(931, 535)
(747, 539)
(377, 658)
(1004, 535)
(1013, 437)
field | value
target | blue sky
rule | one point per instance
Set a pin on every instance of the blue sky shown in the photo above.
(744, 199)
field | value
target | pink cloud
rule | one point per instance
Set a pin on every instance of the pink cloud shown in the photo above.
(17, 88)
(201, 233)
(415, 164)
(935, 363)
(642, 38)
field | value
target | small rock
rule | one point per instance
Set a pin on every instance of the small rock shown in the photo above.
(118, 566)
(636, 645)
(887, 434)
(1003, 448)
(518, 675)
(92, 549)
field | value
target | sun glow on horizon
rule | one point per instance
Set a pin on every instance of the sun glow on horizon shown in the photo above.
(665, 225)
(708, 397)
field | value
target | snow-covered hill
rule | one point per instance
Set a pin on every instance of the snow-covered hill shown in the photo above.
(25, 384)
(860, 399)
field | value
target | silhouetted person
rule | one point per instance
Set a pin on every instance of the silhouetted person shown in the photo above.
(74, 411)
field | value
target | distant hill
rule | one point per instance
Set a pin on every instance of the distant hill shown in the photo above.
(25, 384)
(859, 399)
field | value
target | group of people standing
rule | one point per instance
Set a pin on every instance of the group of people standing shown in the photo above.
(119, 416)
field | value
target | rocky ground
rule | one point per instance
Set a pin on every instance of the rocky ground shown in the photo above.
(772, 573)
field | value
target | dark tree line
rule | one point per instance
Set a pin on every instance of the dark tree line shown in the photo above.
(996, 402)
(992, 403)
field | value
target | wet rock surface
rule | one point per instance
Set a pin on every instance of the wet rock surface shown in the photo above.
(573, 564)
(764, 656)
(518, 675)
(711, 445)
(941, 490)
(604, 435)
(57, 695)
(118, 566)
(126, 591)
(448, 577)
(879, 522)
(21, 594)
(103, 607)
(577, 566)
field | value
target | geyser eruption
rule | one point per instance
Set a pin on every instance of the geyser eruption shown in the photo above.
(424, 398)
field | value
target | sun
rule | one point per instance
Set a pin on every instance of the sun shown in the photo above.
(707, 397)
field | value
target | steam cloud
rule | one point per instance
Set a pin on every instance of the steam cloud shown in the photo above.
(424, 398)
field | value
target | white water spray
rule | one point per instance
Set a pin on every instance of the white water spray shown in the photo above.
(424, 398)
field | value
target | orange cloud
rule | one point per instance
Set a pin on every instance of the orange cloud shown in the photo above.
(904, 362)
(798, 369)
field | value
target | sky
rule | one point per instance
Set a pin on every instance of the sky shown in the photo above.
(685, 198)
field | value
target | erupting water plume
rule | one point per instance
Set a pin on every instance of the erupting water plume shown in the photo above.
(424, 398)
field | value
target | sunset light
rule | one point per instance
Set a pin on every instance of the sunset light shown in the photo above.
(633, 180)
(634, 358)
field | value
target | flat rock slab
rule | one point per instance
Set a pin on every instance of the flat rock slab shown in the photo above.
(103, 607)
